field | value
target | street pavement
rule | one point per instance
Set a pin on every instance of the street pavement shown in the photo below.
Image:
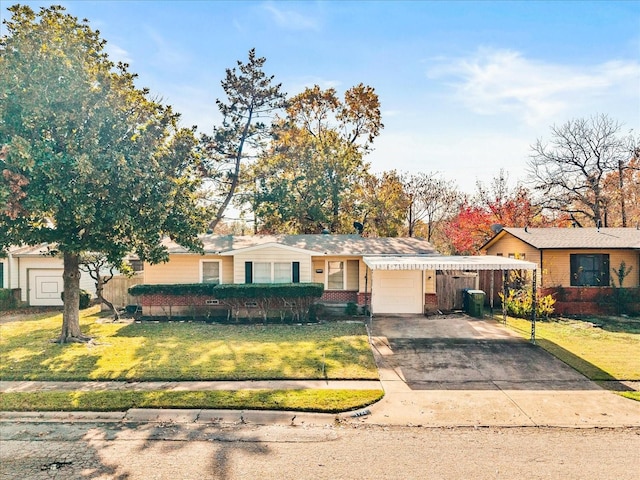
(445, 371)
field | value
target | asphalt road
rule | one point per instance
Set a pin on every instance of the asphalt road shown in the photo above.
(200, 452)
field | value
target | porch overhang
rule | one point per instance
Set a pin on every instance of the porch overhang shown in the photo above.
(438, 262)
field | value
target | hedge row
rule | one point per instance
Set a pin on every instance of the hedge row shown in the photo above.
(231, 290)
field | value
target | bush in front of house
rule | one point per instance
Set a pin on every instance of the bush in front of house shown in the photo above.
(519, 303)
(85, 299)
(173, 289)
(7, 299)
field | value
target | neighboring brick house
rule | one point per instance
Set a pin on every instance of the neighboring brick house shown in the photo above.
(575, 264)
(337, 261)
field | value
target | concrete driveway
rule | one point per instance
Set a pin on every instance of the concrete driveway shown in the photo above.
(457, 352)
(458, 370)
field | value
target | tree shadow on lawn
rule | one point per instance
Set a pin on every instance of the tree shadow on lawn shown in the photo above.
(35, 356)
(589, 370)
(194, 351)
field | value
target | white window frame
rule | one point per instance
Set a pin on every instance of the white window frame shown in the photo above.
(270, 279)
(273, 271)
(202, 262)
(344, 275)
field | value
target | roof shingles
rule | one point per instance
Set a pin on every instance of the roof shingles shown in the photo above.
(582, 238)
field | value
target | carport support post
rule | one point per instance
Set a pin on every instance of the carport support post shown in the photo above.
(534, 306)
(491, 293)
(505, 279)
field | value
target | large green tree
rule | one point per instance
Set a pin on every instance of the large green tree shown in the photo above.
(89, 162)
(308, 179)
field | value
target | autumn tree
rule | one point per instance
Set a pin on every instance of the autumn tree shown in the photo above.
(89, 162)
(469, 229)
(380, 205)
(509, 206)
(252, 98)
(569, 171)
(495, 203)
(431, 199)
(622, 188)
(306, 180)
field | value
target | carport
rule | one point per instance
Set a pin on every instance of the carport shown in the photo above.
(455, 263)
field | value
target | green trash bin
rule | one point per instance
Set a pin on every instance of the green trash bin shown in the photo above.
(475, 303)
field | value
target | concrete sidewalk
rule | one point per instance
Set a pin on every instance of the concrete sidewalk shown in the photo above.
(505, 405)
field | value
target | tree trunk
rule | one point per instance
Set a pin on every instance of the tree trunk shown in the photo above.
(71, 314)
(99, 293)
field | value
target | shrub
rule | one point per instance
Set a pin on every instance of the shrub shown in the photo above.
(519, 303)
(351, 309)
(7, 299)
(85, 299)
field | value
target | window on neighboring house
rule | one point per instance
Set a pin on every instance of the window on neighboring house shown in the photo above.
(590, 270)
(335, 275)
(267, 272)
(211, 272)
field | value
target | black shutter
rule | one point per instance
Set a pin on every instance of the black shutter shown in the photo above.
(248, 272)
(295, 272)
(1, 275)
(573, 259)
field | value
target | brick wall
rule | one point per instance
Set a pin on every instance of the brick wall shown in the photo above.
(587, 300)
(430, 302)
(364, 298)
(157, 299)
(339, 296)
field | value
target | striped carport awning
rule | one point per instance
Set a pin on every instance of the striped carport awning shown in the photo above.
(438, 262)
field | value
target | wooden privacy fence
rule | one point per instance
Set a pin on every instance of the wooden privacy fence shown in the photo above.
(450, 286)
(116, 291)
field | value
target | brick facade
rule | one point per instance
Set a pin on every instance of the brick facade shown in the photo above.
(339, 296)
(430, 302)
(588, 300)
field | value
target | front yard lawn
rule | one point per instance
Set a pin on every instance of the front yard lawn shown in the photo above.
(181, 351)
(185, 351)
(602, 349)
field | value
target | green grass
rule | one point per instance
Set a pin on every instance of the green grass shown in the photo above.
(184, 351)
(326, 401)
(602, 349)
(632, 395)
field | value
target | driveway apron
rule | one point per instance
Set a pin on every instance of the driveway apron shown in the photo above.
(459, 370)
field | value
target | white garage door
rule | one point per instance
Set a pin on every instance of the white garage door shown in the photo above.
(397, 291)
(45, 287)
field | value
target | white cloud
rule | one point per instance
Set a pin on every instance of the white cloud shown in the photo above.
(166, 53)
(495, 82)
(118, 54)
(463, 158)
(290, 19)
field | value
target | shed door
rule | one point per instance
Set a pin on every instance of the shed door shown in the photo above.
(397, 291)
(45, 287)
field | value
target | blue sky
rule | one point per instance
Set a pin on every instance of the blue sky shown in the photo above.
(465, 87)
